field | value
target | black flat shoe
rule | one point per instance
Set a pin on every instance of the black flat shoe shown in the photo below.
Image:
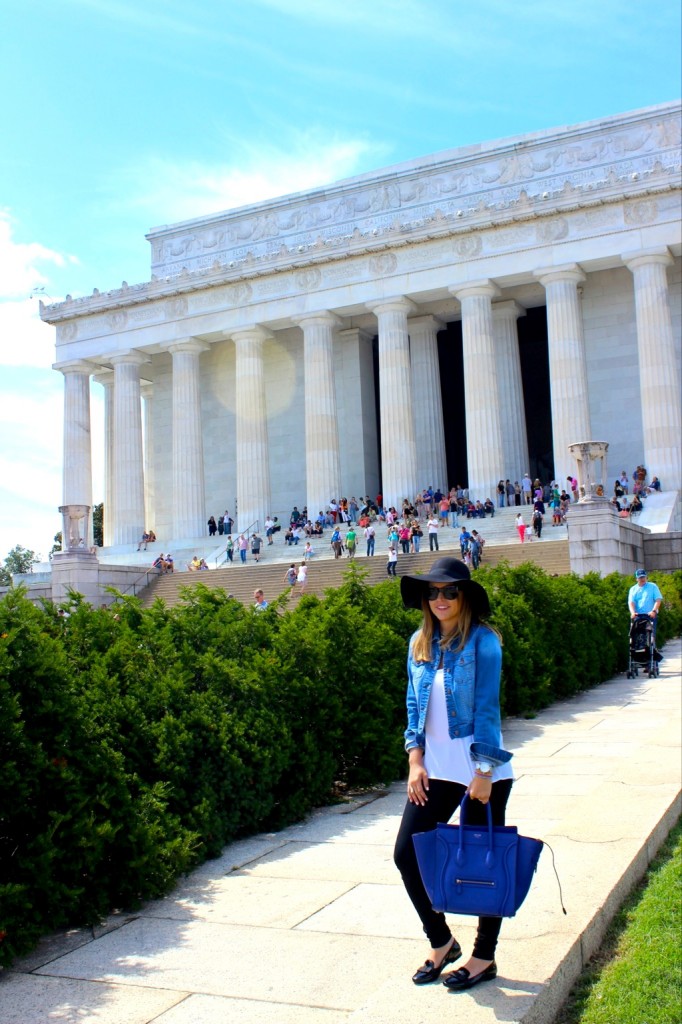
(428, 972)
(461, 979)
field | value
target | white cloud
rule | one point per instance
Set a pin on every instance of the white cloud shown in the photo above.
(175, 190)
(20, 263)
(24, 339)
(31, 401)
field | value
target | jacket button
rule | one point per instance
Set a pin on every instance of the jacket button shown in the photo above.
(456, 732)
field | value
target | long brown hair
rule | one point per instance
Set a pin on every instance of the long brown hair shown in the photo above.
(423, 641)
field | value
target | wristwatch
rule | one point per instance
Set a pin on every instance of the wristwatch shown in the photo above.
(483, 767)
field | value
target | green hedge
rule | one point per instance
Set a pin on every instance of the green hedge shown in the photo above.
(136, 743)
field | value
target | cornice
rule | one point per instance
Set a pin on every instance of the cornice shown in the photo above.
(116, 301)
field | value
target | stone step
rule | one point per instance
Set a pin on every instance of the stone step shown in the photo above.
(241, 580)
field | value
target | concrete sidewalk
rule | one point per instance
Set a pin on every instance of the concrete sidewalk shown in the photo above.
(311, 925)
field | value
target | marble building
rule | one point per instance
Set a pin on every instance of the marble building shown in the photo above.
(383, 333)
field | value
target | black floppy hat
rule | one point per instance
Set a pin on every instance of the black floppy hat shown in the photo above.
(445, 570)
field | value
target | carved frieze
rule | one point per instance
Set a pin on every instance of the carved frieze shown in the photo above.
(382, 264)
(117, 319)
(547, 169)
(67, 332)
(643, 212)
(308, 279)
(175, 307)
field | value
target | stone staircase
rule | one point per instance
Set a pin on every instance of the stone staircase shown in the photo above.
(240, 581)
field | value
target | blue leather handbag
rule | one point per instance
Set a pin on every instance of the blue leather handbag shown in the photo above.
(474, 869)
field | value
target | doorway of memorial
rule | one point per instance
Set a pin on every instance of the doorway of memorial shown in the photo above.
(534, 357)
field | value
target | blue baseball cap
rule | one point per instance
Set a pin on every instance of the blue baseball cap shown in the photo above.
(639, 573)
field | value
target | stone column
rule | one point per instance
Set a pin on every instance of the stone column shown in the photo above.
(253, 470)
(357, 410)
(485, 453)
(567, 364)
(322, 462)
(398, 447)
(510, 387)
(77, 469)
(128, 476)
(659, 382)
(428, 402)
(107, 382)
(147, 392)
(189, 498)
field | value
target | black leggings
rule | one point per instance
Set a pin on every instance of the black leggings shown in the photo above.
(444, 798)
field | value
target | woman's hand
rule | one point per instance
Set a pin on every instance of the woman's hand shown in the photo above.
(480, 789)
(417, 780)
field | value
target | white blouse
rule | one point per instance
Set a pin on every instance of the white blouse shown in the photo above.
(445, 758)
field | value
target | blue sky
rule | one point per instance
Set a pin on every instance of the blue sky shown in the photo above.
(120, 116)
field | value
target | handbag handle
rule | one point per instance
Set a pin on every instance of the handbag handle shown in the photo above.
(490, 855)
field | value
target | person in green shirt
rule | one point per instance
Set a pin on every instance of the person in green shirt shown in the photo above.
(351, 542)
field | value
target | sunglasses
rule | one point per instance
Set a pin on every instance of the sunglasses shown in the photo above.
(450, 592)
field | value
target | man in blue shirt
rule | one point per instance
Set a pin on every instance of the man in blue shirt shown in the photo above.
(644, 598)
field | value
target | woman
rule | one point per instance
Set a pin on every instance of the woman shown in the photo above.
(521, 526)
(302, 577)
(454, 746)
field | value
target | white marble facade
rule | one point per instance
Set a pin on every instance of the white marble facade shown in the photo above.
(251, 347)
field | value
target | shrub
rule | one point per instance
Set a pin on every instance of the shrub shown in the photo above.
(136, 743)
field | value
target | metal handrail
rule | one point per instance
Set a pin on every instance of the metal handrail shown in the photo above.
(255, 523)
(143, 575)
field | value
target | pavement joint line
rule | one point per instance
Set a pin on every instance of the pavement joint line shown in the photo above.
(538, 969)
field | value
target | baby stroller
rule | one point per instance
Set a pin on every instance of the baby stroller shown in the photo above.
(643, 647)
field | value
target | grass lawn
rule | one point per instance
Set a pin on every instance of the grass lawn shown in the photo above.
(636, 978)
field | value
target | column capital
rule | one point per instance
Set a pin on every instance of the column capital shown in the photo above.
(570, 272)
(426, 321)
(509, 309)
(644, 257)
(130, 356)
(74, 366)
(252, 333)
(485, 287)
(106, 378)
(186, 345)
(323, 318)
(397, 304)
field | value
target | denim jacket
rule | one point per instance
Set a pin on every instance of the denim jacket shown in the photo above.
(472, 694)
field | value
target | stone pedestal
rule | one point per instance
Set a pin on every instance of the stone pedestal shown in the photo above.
(76, 570)
(599, 541)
